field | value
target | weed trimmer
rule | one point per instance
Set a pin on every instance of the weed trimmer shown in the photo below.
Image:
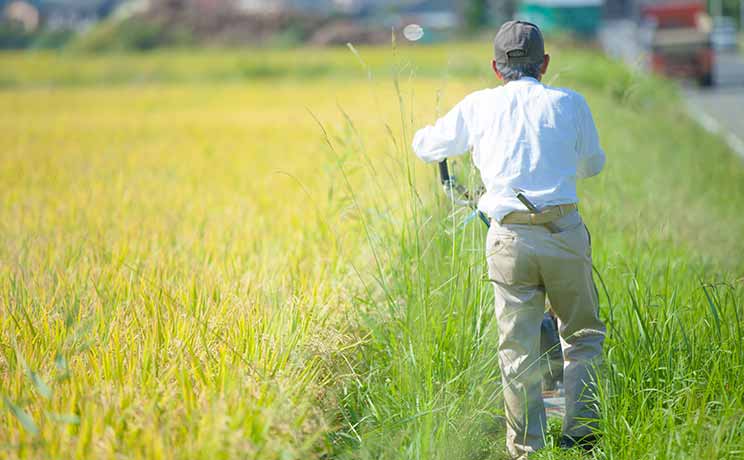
(457, 193)
(549, 339)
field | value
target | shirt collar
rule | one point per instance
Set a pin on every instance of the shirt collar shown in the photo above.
(525, 80)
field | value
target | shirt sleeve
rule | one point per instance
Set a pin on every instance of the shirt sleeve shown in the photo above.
(591, 157)
(448, 137)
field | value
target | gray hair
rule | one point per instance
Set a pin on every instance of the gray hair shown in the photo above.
(517, 71)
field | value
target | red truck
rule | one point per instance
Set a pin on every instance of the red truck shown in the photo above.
(678, 38)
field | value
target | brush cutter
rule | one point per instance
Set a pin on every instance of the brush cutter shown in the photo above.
(551, 354)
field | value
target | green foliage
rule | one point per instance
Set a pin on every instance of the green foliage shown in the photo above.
(52, 39)
(457, 61)
(475, 14)
(291, 36)
(196, 269)
(426, 384)
(729, 8)
(13, 35)
(133, 34)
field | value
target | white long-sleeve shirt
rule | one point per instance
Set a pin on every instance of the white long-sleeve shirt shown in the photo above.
(523, 135)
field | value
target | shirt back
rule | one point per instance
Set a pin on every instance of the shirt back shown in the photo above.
(523, 136)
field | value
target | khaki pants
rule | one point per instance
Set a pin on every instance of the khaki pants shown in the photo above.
(524, 263)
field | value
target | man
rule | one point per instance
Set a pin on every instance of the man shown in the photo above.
(529, 137)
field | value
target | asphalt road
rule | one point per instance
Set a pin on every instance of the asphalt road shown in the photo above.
(719, 109)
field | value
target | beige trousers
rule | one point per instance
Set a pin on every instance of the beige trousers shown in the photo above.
(526, 262)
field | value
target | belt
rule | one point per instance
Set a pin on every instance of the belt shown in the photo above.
(546, 215)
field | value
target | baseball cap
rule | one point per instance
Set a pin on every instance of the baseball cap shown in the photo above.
(518, 42)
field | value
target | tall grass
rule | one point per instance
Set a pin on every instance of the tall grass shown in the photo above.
(426, 382)
(192, 268)
(144, 310)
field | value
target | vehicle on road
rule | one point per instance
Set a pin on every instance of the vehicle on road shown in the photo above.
(677, 36)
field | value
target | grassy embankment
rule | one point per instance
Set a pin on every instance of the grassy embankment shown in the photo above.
(187, 270)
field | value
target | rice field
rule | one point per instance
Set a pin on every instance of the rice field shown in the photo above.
(234, 254)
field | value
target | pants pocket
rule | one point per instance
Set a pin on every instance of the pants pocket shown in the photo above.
(506, 260)
(569, 222)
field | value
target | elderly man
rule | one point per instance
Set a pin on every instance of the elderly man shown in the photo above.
(538, 140)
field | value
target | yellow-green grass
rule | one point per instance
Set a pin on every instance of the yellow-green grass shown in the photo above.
(45, 68)
(171, 245)
(221, 254)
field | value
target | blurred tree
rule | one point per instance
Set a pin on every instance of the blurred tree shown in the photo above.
(475, 14)
(13, 35)
(501, 11)
(729, 8)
